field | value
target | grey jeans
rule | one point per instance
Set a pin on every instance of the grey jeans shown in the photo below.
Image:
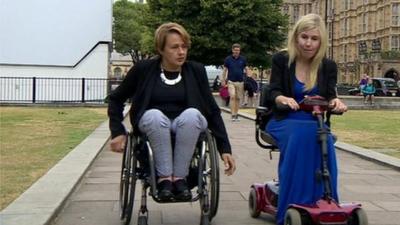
(186, 127)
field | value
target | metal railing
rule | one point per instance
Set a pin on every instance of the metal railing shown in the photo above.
(55, 90)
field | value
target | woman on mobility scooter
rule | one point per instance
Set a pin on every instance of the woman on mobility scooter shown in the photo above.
(299, 71)
(169, 95)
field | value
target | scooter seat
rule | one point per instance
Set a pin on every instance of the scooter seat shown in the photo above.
(268, 138)
(273, 186)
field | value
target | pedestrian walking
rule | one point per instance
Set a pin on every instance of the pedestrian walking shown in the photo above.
(235, 66)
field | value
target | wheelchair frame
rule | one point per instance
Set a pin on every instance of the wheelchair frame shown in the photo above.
(138, 163)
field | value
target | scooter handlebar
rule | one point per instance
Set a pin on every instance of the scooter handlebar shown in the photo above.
(313, 104)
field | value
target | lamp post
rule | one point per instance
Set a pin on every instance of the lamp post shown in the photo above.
(326, 12)
(261, 77)
(329, 24)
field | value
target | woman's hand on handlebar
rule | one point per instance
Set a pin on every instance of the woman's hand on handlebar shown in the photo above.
(117, 144)
(337, 106)
(229, 162)
(286, 101)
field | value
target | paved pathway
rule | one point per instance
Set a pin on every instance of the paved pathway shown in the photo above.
(95, 200)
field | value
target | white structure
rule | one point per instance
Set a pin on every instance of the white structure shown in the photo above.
(54, 39)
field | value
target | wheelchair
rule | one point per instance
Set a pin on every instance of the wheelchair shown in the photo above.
(138, 164)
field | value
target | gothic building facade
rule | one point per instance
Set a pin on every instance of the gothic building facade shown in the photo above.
(364, 35)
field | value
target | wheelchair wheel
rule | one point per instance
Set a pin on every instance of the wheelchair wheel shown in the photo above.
(210, 182)
(128, 181)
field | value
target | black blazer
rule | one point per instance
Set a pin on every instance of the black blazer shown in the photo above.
(138, 85)
(282, 80)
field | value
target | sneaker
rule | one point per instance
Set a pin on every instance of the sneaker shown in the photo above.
(237, 118)
(233, 118)
(164, 189)
(182, 191)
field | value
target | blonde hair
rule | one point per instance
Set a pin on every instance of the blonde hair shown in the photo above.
(305, 23)
(163, 30)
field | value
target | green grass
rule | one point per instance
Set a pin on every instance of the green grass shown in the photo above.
(33, 139)
(376, 130)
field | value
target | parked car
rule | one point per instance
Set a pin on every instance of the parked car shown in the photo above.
(343, 89)
(212, 73)
(383, 86)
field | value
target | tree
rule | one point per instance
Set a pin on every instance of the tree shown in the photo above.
(129, 30)
(215, 25)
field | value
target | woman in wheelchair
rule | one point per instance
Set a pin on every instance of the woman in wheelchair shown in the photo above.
(170, 96)
(301, 70)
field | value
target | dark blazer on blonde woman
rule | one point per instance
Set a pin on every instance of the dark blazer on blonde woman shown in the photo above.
(139, 83)
(283, 84)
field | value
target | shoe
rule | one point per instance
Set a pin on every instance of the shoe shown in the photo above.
(237, 118)
(233, 118)
(182, 191)
(164, 189)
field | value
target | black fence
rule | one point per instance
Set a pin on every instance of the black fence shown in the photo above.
(55, 90)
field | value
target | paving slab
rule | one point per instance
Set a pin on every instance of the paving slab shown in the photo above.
(94, 197)
(370, 183)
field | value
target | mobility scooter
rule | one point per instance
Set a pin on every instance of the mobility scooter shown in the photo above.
(263, 197)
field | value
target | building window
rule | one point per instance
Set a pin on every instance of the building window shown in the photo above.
(380, 19)
(286, 9)
(365, 23)
(345, 53)
(396, 14)
(296, 12)
(346, 4)
(395, 45)
(118, 73)
(345, 27)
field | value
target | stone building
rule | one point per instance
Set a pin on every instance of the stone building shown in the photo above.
(364, 35)
(119, 65)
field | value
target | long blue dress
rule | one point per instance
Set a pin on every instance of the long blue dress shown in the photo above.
(300, 157)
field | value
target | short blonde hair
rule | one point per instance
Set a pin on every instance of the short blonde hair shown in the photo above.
(163, 30)
(305, 23)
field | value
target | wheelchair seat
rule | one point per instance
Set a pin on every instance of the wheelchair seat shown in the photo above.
(138, 164)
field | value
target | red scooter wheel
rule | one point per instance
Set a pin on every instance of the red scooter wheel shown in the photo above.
(358, 217)
(254, 212)
(293, 217)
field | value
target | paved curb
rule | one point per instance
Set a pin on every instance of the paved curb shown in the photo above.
(43, 200)
(370, 155)
(361, 152)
